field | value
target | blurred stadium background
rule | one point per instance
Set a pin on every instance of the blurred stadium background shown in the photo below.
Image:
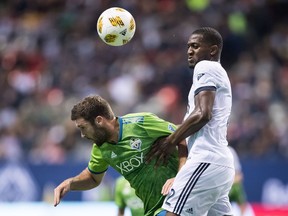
(51, 56)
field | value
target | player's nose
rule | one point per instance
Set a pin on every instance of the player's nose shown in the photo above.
(189, 51)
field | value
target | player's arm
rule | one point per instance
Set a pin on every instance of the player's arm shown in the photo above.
(84, 181)
(200, 116)
(182, 154)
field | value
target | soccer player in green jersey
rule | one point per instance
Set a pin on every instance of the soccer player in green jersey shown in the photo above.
(125, 197)
(122, 143)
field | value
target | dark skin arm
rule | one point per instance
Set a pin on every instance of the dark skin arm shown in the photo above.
(182, 155)
(200, 116)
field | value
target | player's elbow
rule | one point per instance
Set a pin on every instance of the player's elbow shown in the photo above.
(205, 117)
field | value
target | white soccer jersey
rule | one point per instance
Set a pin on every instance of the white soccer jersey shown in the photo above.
(209, 144)
(202, 185)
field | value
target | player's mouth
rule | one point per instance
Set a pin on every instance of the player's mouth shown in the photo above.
(191, 60)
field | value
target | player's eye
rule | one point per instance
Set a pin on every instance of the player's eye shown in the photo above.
(195, 46)
(81, 128)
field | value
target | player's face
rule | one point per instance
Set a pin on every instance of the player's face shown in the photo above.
(197, 50)
(95, 133)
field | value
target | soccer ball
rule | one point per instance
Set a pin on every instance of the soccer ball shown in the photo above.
(116, 26)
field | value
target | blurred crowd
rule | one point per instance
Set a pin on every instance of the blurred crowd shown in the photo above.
(51, 57)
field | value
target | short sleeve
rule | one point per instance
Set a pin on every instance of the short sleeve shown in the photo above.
(157, 127)
(203, 78)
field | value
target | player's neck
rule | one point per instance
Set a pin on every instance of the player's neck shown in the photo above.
(114, 131)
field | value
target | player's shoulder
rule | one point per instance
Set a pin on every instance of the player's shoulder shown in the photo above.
(135, 118)
(140, 116)
(211, 68)
(137, 114)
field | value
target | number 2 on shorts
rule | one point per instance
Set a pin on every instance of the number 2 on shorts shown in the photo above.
(171, 194)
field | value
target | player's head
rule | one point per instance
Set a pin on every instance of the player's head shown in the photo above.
(204, 44)
(92, 116)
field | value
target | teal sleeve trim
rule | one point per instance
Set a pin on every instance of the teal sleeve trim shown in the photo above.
(120, 120)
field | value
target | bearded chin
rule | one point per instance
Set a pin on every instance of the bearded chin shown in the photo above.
(99, 140)
(101, 136)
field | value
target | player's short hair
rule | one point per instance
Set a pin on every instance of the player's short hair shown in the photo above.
(210, 36)
(91, 107)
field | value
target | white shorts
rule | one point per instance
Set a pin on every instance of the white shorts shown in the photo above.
(201, 189)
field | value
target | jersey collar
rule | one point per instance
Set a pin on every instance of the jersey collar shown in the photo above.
(120, 121)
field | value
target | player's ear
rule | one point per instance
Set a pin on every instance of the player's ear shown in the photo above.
(98, 120)
(213, 50)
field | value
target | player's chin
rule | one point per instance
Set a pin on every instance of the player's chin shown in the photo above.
(191, 63)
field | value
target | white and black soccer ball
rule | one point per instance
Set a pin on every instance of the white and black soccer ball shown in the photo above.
(116, 26)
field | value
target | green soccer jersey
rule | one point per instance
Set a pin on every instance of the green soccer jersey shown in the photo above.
(136, 135)
(125, 197)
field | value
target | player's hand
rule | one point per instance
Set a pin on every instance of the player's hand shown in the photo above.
(167, 186)
(60, 191)
(160, 151)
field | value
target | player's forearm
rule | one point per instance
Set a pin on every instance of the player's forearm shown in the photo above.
(83, 181)
(193, 124)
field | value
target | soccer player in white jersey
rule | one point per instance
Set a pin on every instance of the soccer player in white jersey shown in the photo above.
(202, 185)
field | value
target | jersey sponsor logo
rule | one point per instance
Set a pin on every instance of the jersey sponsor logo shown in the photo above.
(113, 155)
(128, 165)
(130, 120)
(135, 143)
(200, 75)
